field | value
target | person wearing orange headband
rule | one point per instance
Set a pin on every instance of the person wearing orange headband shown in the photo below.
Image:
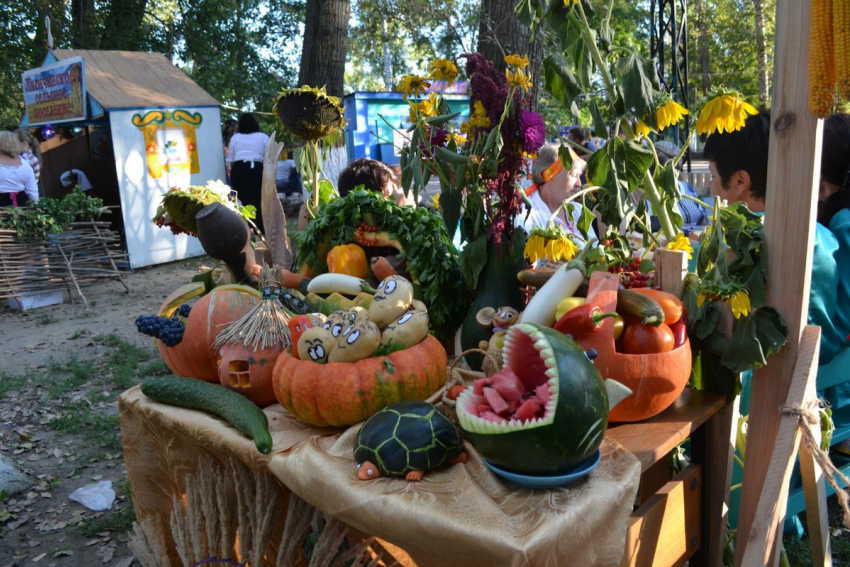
(553, 183)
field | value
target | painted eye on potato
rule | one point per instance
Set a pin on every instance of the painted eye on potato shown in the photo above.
(320, 352)
(353, 337)
(348, 330)
(404, 319)
(390, 287)
(337, 329)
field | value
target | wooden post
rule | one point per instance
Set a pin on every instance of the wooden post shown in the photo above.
(792, 181)
(814, 489)
(671, 267)
(761, 538)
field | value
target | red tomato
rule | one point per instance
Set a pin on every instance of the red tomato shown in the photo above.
(455, 391)
(646, 339)
(670, 304)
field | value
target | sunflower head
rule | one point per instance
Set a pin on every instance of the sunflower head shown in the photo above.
(552, 243)
(413, 85)
(309, 113)
(516, 61)
(682, 243)
(723, 110)
(518, 79)
(443, 70)
(668, 112)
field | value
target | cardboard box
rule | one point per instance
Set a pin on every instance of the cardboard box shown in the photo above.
(35, 300)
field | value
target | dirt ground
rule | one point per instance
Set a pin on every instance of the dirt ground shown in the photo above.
(61, 371)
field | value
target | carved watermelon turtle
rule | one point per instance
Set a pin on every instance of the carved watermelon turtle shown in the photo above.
(406, 439)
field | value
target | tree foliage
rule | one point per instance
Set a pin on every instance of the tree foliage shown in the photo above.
(240, 51)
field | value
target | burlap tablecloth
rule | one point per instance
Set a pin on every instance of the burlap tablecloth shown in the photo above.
(462, 515)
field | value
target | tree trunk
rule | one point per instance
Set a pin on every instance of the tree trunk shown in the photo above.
(702, 40)
(124, 25)
(84, 35)
(325, 45)
(761, 50)
(385, 43)
(500, 33)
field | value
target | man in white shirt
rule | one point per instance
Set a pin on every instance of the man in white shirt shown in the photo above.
(553, 184)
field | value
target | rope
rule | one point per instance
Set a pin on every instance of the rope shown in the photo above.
(809, 418)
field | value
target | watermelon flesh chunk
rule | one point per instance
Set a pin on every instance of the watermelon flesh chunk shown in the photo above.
(505, 398)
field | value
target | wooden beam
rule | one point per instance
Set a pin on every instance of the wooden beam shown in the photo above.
(665, 531)
(756, 547)
(713, 447)
(814, 488)
(792, 181)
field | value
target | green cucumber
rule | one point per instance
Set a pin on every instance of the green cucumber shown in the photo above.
(630, 303)
(236, 409)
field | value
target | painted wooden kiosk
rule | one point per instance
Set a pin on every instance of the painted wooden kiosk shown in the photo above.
(146, 127)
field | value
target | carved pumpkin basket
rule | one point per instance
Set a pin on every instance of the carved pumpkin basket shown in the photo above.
(656, 379)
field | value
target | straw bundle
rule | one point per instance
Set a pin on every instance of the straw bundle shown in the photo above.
(266, 324)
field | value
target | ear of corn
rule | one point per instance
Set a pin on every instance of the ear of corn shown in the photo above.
(841, 39)
(821, 58)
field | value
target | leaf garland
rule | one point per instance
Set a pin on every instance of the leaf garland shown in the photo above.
(430, 254)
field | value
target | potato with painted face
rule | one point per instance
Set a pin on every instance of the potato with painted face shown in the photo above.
(392, 298)
(408, 330)
(357, 313)
(317, 319)
(337, 322)
(358, 341)
(315, 345)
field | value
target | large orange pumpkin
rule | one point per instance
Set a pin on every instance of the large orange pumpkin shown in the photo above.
(249, 371)
(344, 393)
(195, 356)
(656, 379)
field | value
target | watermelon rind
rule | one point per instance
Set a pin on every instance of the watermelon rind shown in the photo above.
(575, 419)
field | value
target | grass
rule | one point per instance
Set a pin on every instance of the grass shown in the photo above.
(45, 319)
(11, 383)
(799, 550)
(157, 367)
(96, 427)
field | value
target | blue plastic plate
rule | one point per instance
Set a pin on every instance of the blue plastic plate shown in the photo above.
(557, 481)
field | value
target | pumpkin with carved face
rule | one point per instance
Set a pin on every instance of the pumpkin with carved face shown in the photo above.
(392, 298)
(408, 330)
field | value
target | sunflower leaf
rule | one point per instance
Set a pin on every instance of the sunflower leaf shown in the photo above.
(473, 258)
(640, 83)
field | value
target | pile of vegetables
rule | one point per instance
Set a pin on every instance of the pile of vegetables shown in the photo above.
(431, 259)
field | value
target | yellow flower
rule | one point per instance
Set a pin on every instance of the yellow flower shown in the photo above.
(517, 61)
(518, 79)
(740, 303)
(479, 118)
(681, 243)
(553, 244)
(641, 129)
(669, 114)
(465, 127)
(435, 202)
(413, 85)
(457, 138)
(425, 108)
(443, 70)
(724, 112)
(568, 2)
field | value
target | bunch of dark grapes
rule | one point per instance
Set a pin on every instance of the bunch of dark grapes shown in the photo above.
(169, 331)
(184, 310)
(631, 277)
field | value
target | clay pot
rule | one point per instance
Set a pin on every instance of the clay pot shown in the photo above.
(656, 379)
(249, 371)
(225, 236)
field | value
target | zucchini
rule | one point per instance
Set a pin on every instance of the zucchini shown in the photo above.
(236, 409)
(632, 304)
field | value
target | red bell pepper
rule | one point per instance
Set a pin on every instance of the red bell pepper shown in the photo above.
(582, 320)
(297, 325)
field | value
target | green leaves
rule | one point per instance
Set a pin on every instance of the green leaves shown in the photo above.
(755, 337)
(473, 258)
(450, 204)
(560, 81)
(618, 169)
(639, 83)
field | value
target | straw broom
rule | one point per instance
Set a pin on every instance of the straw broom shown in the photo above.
(266, 323)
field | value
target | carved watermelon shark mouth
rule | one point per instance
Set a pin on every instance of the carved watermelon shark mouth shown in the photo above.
(545, 413)
(523, 395)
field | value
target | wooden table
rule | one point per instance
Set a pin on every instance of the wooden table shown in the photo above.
(678, 515)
